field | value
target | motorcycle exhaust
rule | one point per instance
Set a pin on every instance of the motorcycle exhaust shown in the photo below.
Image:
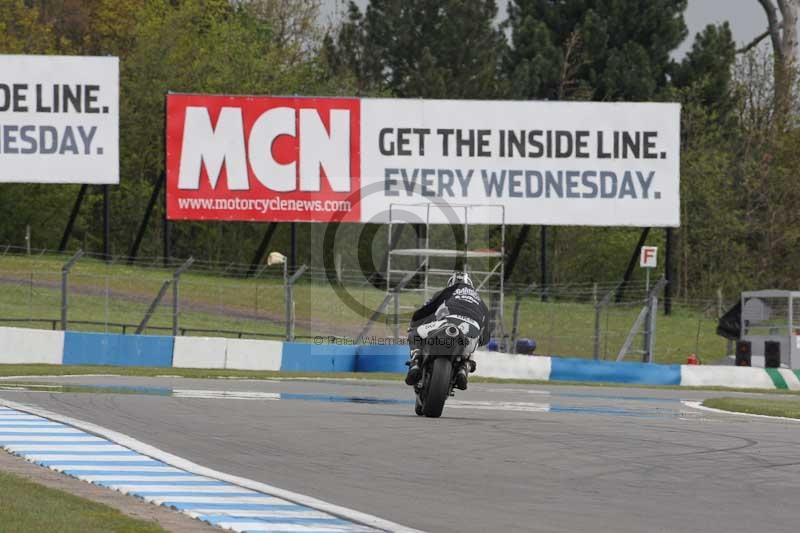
(452, 331)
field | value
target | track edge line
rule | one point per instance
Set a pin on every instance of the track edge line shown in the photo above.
(194, 468)
(701, 407)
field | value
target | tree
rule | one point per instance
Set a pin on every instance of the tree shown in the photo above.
(708, 66)
(421, 48)
(21, 31)
(593, 49)
(782, 32)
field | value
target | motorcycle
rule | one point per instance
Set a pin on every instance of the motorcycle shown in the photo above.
(446, 345)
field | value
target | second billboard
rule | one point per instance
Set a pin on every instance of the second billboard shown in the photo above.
(355, 160)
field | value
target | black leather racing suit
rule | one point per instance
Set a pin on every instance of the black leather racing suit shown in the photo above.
(460, 300)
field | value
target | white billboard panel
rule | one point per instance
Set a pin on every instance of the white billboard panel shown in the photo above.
(59, 119)
(552, 163)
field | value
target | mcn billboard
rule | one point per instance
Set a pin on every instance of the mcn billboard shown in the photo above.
(346, 159)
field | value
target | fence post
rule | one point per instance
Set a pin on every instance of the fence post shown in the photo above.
(289, 282)
(397, 315)
(64, 275)
(175, 282)
(651, 326)
(596, 347)
(515, 317)
(598, 312)
(650, 322)
(287, 298)
(151, 309)
(515, 325)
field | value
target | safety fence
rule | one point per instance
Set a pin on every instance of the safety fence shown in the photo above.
(193, 298)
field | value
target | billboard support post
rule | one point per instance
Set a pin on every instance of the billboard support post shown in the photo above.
(632, 263)
(134, 251)
(394, 237)
(76, 208)
(522, 236)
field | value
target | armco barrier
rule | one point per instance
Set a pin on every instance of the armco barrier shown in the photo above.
(199, 352)
(31, 346)
(117, 350)
(253, 355)
(565, 369)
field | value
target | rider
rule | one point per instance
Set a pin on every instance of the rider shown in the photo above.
(460, 301)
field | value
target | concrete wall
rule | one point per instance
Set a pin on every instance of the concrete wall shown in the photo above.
(31, 346)
(117, 350)
(19, 346)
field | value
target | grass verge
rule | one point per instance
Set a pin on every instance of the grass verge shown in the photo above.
(27, 506)
(789, 408)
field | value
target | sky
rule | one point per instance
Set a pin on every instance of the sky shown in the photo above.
(746, 17)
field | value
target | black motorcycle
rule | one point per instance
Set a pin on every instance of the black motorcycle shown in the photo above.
(444, 349)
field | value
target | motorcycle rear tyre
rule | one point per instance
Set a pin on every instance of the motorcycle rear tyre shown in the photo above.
(438, 388)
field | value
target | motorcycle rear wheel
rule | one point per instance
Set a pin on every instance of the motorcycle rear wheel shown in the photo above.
(438, 388)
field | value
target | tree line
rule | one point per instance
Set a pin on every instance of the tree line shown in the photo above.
(739, 168)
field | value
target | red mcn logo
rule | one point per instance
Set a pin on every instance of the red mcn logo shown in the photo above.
(262, 158)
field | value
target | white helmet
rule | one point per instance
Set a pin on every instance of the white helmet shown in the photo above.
(460, 277)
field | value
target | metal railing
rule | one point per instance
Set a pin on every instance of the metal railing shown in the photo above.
(578, 319)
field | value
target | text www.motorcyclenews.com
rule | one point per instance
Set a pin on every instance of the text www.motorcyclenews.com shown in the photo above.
(263, 205)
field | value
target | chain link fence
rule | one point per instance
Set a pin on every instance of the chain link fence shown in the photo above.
(595, 320)
(591, 320)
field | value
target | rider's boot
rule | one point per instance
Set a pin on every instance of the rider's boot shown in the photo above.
(461, 375)
(467, 367)
(415, 370)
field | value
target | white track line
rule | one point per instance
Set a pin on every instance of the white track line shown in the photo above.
(188, 466)
(701, 407)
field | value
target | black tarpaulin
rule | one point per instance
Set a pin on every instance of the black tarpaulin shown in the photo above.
(730, 324)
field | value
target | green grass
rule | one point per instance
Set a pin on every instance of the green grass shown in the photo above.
(27, 506)
(30, 287)
(789, 408)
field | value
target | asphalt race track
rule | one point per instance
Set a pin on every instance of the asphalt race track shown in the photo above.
(502, 458)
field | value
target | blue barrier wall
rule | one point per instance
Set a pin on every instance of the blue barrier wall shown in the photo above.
(300, 357)
(563, 369)
(157, 351)
(371, 358)
(117, 350)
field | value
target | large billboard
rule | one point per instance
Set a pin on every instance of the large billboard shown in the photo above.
(59, 119)
(355, 160)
